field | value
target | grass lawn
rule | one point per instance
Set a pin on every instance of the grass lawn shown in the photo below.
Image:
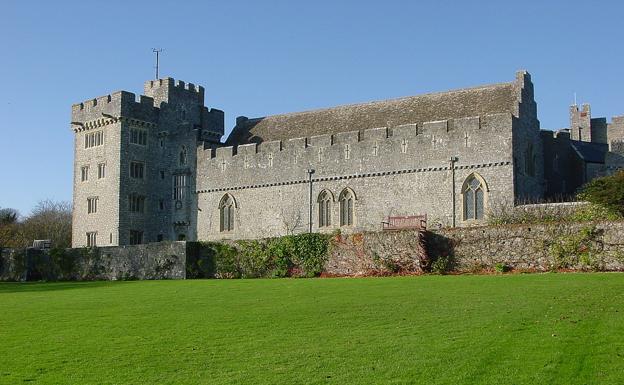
(511, 329)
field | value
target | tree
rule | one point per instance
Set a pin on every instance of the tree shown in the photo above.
(49, 220)
(9, 228)
(291, 220)
(8, 216)
(607, 192)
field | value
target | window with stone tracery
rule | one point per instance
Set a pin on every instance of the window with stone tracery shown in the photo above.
(473, 193)
(346, 202)
(324, 207)
(226, 213)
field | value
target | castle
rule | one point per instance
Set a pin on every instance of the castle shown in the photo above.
(155, 168)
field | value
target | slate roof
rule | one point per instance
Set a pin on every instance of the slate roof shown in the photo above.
(478, 101)
(590, 152)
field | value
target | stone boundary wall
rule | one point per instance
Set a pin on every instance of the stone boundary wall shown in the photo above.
(532, 247)
(377, 253)
(526, 247)
(165, 260)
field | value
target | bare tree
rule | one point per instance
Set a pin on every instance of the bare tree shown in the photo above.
(49, 220)
(291, 220)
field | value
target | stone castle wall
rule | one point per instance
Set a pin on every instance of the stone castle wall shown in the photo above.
(165, 260)
(527, 247)
(533, 247)
(400, 171)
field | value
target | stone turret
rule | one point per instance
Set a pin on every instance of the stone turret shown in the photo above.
(580, 123)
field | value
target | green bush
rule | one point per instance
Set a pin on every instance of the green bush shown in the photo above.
(501, 268)
(310, 252)
(607, 192)
(274, 257)
(594, 212)
(570, 251)
(443, 264)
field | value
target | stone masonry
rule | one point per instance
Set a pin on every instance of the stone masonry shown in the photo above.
(448, 155)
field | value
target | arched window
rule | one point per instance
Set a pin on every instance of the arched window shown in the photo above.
(346, 200)
(226, 213)
(183, 156)
(473, 192)
(324, 203)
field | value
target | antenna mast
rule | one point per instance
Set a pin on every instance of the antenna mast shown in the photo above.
(157, 51)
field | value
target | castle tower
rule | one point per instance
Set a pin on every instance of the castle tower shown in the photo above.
(580, 123)
(135, 163)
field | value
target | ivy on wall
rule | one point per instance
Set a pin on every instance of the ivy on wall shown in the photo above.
(301, 255)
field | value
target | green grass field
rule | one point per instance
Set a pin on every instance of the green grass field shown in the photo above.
(511, 329)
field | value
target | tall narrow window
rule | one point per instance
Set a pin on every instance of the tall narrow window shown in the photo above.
(136, 203)
(137, 170)
(84, 173)
(324, 205)
(94, 139)
(91, 239)
(183, 156)
(179, 187)
(101, 170)
(92, 205)
(138, 136)
(226, 213)
(473, 193)
(346, 200)
(136, 237)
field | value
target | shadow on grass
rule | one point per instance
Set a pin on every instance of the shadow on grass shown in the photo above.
(23, 287)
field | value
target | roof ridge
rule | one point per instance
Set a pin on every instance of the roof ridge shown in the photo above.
(475, 88)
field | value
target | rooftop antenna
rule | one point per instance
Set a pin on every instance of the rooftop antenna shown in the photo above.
(575, 99)
(157, 51)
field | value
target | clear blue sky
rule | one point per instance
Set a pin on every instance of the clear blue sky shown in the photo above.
(259, 58)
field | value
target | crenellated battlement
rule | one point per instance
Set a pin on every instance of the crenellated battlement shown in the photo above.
(169, 90)
(428, 135)
(171, 83)
(177, 95)
(111, 108)
(114, 99)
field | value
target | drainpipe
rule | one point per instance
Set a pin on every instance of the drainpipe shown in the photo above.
(310, 172)
(453, 160)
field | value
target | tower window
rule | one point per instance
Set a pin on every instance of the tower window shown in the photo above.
(179, 187)
(138, 136)
(101, 170)
(84, 173)
(136, 203)
(92, 205)
(94, 139)
(183, 156)
(136, 170)
(136, 237)
(91, 239)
